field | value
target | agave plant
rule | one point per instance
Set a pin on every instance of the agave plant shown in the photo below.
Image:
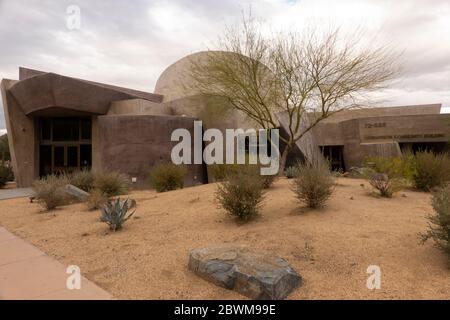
(114, 213)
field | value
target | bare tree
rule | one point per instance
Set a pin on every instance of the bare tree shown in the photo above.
(309, 75)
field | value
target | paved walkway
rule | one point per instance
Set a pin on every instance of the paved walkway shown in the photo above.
(15, 193)
(27, 273)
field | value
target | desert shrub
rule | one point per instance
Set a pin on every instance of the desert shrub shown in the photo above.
(49, 191)
(241, 193)
(268, 180)
(115, 212)
(291, 172)
(219, 172)
(387, 175)
(166, 177)
(83, 179)
(96, 200)
(111, 183)
(5, 175)
(439, 226)
(313, 185)
(431, 170)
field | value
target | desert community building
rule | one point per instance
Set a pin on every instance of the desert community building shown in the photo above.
(58, 123)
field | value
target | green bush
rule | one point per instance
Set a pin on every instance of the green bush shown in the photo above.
(313, 185)
(96, 200)
(431, 170)
(387, 175)
(111, 183)
(242, 193)
(5, 175)
(167, 177)
(83, 179)
(439, 226)
(49, 191)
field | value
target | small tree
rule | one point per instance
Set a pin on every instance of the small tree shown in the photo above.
(291, 76)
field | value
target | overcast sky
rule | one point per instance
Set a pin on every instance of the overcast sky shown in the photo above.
(130, 42)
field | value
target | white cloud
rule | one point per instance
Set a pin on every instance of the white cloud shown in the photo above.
(131, 43)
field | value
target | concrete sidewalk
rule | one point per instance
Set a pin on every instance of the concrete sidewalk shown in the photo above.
(15, 193)
(27, 273)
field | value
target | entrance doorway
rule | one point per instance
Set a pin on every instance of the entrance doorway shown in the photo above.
(65, 145)
(335, 156)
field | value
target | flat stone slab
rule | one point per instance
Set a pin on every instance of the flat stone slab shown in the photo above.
(255, 274)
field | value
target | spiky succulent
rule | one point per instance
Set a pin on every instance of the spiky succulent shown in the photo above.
(114, 212)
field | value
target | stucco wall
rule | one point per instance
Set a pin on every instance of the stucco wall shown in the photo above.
(133, 144)
(22, 138)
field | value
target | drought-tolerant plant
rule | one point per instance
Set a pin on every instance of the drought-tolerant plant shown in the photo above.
(112, 183)
(167, 177)
(268, 180)
(291, 172)
(386, 175)
(83, 179)
(439, 226)
(96, 200)
(241, 193)
(49, 191)
(115, 212)
(313, 185)
(219, 172)
(5, 174)
(431, 170)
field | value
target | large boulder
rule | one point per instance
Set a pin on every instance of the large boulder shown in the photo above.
(75, 192)
(255, 274)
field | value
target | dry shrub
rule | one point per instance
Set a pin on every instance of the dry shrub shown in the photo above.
(387, 175)
(431, 170)
(313, 185)
(49, 191)
(112, 183)
(439, 226)
(167, 177)
(96, 200)
(242, 193)
(83, 179)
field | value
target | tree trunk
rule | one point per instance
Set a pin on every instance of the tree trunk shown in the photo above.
(283, 160)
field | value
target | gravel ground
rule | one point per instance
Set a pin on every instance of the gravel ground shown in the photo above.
(331, 248)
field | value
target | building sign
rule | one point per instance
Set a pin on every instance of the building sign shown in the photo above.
(407, 136)
(375, 125)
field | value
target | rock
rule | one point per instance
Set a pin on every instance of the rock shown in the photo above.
(76, 192)
(257, 275)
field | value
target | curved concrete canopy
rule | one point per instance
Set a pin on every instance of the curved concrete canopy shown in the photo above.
(48, 91)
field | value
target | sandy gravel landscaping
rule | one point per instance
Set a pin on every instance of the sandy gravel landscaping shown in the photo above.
(331, 248)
